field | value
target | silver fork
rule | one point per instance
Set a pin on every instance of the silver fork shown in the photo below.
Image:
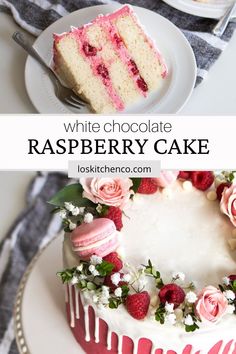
(63, 93)
(220, 27)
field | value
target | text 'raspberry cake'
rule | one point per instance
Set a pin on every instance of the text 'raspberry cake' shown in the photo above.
(111, 61)
(150, 264)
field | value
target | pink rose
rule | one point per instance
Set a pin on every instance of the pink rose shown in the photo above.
(228, 203)
(211, 304)
(108, 191)
(166, 178)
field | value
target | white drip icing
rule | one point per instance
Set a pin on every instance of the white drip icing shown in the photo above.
(221, 350)
(231, 349)
(135, 348)
(86, 323)
(120, 342)
(72, 314)
(96, 330)
(153, 350)
(76, 303)
(109, 339)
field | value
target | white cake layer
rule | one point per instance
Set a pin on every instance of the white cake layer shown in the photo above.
(182, 232)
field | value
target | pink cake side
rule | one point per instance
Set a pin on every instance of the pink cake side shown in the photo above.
(93, 334)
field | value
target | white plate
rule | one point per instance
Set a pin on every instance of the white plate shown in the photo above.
(179, 56)
(212, 9)
(40, 319)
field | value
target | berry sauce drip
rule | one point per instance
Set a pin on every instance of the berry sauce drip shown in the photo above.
(142, 84)
(89, 50)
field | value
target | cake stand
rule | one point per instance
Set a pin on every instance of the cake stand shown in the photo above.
(40, 319)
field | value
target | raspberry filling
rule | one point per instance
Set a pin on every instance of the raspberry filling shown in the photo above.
(133, 67)
(142, 84)
(102, 70)
(89, 50)
(118, 40)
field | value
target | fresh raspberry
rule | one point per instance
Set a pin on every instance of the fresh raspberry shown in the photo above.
(102, 70)
(232, 277)
(115, 214)
(148, 186)
(173, 294)
(115, 260)
(89, 50)
(133, 67)
(220, 189)
(184, 175)
(142, 84)
(113, 287)
(202, 179)
(137, 304)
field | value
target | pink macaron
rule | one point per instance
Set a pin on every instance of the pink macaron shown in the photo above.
(99, 237)
(166, 178)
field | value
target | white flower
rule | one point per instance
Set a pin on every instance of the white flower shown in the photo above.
(229, 294)
(80, 267)
(226, 280)
(118, 292)
(188, 321)
(230, 309)
(91, 268)
(88, 218)
(81, 210)
(171, 318)
(95, 259)
(126, 278)
(62, 214)
(99, 208)
(178, 276)
(95, 299)
(69, 206)
(191, 297)
(115, 278)
(104, 296)
(82, 277)
(75, 211)
(105, 290)
(72, 225)
(169, 307)
(74, 280)
(95, 273)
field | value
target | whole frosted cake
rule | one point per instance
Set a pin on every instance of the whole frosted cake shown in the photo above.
(150, 264)
(110, 61)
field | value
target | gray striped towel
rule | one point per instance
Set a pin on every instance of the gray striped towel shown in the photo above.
(36, 15)
(34, 227)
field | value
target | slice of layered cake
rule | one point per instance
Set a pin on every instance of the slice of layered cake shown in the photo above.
(111, 61)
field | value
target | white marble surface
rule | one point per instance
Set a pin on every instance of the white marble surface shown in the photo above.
(215, 96)
(12, 201)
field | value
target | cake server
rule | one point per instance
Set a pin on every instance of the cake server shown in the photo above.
(220, 27)
(62, 92)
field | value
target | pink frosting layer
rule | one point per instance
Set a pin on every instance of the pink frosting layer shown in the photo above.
(144, 346)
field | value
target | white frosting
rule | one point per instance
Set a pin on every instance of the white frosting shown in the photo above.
(184, 233)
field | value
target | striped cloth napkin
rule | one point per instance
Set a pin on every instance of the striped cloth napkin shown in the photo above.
(35, 15)
(32, 230)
